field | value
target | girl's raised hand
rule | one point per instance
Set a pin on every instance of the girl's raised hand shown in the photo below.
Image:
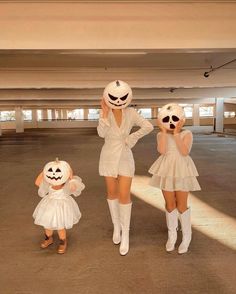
(105, 109)
(39, 179)
(179, 126)
(160, 126)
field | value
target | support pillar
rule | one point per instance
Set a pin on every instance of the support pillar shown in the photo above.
(53, 111)
(64, 113)
(196, 116)
(0, 124)
(59, 114)
(154, 112)
(86, 112)
(34, 115)
(19, 117)
(219, 120)
(44, 114)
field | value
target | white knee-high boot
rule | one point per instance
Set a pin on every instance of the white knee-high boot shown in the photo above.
(125, 215)
(185, 220)
(115, 217)
(172, 224)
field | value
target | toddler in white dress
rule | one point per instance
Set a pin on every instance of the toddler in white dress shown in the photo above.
(57, 210)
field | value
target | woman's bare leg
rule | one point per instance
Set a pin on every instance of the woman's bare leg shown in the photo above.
(112, 187)
(124, 185)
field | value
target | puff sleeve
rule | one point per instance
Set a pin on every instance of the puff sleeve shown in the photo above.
(75, 186)
(43, 189)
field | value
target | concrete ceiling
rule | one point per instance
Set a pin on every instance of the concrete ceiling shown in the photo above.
(195, 59)
(75, 77)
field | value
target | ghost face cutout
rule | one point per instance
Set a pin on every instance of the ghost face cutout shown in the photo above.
(117, 95)
(56, 172)
(170, 115)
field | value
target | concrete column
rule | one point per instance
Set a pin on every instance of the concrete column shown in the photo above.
(19, 120)
(59, 113)
(196, 117)
(53, 114)
(219, 120)
(44, 114)
(0, 125)
(34, 115)
(64, 113)
(154, 112)
(86, 112)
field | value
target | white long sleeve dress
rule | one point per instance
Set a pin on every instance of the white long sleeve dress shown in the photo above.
(116, 156)
(58, 210)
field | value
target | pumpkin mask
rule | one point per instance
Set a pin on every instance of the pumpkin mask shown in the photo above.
(170, 115)
(117, 95)
(57, 172)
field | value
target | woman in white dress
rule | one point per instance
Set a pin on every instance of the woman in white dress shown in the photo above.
(57, 210)
(174, 173)
(116, 160)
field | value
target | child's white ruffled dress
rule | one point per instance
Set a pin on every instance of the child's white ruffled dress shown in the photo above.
(173, 171)
(58, 210)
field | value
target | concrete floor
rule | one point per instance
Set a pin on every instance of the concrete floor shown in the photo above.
(92, 263)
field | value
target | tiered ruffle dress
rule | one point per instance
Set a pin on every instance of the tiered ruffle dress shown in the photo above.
(173, 171)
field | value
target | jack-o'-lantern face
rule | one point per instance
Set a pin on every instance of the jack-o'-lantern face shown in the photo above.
(117, 95)
(170, 115)
(56, 172)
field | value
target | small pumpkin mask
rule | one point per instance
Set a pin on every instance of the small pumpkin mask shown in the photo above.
(56, 172)
(170, 115)
(117, 95)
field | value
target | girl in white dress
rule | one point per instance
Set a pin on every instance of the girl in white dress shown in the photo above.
(116, 160)
(174, 173)
(57, 210)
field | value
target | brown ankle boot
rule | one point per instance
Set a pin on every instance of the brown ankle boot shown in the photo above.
(62, 247)
(46, 242)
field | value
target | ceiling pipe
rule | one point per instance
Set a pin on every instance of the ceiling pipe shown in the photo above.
(207, 73)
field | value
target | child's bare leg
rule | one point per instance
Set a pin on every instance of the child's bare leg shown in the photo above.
(48, 239)
(62, 234)
(182, 201)
(48, 232)
(63, 242)
(170, 200)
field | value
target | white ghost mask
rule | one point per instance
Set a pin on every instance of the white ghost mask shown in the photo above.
(170, 115)
(117, 94)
